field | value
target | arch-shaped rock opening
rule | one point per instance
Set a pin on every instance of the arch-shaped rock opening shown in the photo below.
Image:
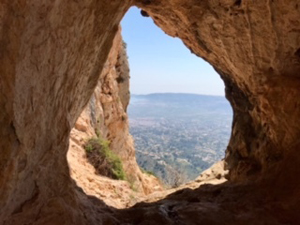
(179, 118)
(51, 56)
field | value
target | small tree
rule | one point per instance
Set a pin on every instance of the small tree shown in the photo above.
(177, 179)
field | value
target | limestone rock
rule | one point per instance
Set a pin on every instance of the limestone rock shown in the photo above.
(51, 56)
(105, 116)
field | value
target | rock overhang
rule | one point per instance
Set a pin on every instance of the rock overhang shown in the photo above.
(253, 45)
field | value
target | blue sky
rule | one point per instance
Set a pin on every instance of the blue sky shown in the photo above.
(160, 63)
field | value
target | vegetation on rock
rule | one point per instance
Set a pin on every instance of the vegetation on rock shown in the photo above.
(106, 162)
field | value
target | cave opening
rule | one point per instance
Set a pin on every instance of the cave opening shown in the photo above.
(52, 54)
(178, 115)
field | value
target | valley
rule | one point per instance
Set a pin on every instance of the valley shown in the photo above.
(177, 136)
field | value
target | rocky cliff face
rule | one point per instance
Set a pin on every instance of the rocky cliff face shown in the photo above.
(51, 56)
(105, 116)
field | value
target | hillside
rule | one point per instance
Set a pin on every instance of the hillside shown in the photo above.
(177, 136)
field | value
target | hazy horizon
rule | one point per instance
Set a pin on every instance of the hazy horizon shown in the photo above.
(159, 63)
(178, 93)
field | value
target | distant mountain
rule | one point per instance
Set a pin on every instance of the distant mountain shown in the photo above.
(179, 135)
(177, 105)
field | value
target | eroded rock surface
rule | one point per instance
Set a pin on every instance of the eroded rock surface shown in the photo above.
(105, 117)
(51, 56)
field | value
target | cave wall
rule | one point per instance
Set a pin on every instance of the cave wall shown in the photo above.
(52, 54)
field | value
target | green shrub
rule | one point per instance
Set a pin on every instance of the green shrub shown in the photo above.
(106, 162)
(148, 172)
